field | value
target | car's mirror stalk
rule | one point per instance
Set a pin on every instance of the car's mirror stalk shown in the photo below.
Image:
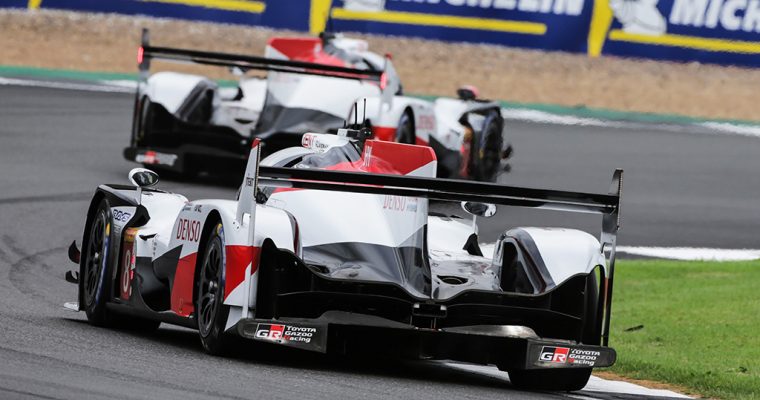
(142, 178)
(476, 209)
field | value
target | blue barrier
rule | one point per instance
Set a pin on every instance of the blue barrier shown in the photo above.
(713, 31)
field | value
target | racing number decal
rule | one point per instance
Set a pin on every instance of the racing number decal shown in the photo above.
(127, 265)
(126, 281)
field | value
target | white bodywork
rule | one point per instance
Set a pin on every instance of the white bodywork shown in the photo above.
(170, 89)
(567, 252)
(291, 222)
(385, 107)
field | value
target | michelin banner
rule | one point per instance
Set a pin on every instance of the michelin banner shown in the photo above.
(713, 31)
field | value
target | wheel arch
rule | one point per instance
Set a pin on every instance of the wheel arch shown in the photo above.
(116, 197)
(209, 223)
(409, 110)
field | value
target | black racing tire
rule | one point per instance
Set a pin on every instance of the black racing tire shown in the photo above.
(95, 267)
(134, 324)
(144, 121)
(211, 313)
(405, 129)
(592, 331)
(565, 380)
(485, 150)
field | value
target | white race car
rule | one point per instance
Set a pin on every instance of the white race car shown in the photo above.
(330, 247)
(186, 123)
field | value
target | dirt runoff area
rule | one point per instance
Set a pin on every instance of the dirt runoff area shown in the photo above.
(107, 43)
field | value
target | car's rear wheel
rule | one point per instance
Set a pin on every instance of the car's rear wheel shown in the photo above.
(485, 151)
(405, 130)
(95, 266)
(551, 379)
(210, 311)
(566, 379)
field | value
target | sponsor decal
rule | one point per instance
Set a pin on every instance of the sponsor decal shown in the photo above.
(306, 140)
(198, 208)
(399, 203)
(554, 354)
(188, 230)
(285, 333)
(426, 122)
(729, 15)
(717, 26)
(154, 157)
(567, 355)
(249, 181)
(322, 142)
(557, 7)
(121, 216)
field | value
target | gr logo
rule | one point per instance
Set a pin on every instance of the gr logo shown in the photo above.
(554, 354)
(271, 332)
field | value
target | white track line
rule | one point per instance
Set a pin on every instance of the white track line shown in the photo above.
(595, 384)
(673, 253)
(519, 114)
(692, 253)
(66, 85)
(128, 86)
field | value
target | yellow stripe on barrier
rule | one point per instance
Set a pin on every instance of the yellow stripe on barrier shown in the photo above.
(449, 21)
(691, 42)
(256, 7)
(318, 15)
(601, 20)
(34, 4)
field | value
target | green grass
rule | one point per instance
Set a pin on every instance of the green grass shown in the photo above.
(701, 325)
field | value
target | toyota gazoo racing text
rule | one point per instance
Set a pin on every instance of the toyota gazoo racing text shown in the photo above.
(185, 123)
(330, 247)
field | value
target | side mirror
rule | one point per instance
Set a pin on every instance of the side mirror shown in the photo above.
(143, 178)
(237, 72)
(485, 210)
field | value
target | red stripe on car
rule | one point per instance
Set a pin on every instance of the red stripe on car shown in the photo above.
(182, 301)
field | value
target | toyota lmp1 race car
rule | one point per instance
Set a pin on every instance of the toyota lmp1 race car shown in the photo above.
(186, 123)
(330, 247)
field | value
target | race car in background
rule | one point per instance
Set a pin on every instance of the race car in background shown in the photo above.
(186, 123)
(330, 247)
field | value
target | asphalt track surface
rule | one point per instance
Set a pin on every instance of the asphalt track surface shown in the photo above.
(56, 146)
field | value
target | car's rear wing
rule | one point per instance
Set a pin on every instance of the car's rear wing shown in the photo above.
(440, 189)
(147, 52)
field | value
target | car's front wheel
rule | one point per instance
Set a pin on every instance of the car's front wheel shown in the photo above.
(95, 266)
